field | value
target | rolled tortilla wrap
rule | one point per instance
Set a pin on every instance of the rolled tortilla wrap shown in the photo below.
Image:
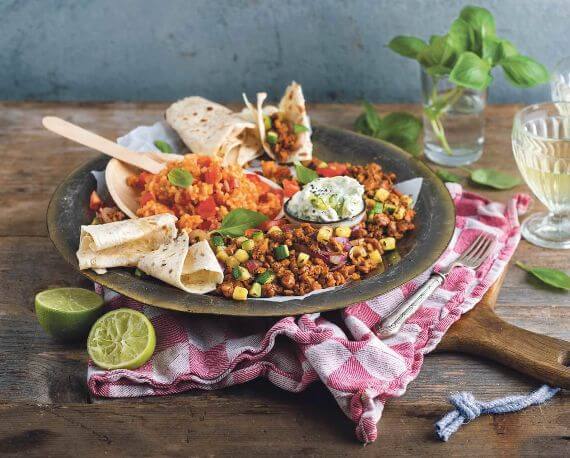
(194, 268)
(292, 106)
(211, 129)
(123, 243)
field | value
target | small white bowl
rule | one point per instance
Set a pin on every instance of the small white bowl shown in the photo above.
(341, 222)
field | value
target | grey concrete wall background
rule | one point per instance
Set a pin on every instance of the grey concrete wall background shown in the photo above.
(166, 49)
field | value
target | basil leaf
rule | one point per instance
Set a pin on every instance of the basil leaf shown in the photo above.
(507, 49)
(552, 277)
(461, 36)
(494, 179)
(480, 19)
(522, 71)
(163, 146)
(180, 177)
(407, 46)
(400, 124)
(410, 146)
(236, 222)
(300, 128)
(372, 117)
(361, 125)
(436, 53)
(491, 49)
(471, 71)
(304, 174)
(447, 176)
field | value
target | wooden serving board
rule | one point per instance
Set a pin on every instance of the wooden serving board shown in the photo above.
(481, 332)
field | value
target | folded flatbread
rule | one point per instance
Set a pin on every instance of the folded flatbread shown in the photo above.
(211, 129)
(194, 268)
(123, 243)
(292, 108)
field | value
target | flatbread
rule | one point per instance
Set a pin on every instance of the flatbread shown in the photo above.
(211, 129)
(292, 105)
(123, 243)
(193, 269)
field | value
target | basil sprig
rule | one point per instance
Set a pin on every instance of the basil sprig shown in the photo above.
(469, 51)
(401, 129)
(180, 177)
(163, 146)
(304, 174)
(236, 222)
(552, 277)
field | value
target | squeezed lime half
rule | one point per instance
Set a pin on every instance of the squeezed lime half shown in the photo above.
(67, 313)
(121, 339)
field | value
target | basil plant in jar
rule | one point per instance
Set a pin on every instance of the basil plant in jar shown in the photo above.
(455, 74)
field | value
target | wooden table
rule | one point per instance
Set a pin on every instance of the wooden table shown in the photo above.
(46, 410)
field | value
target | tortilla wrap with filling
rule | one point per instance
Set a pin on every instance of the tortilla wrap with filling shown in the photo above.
(123, 243)
(212, 129)
(293, 108)
(193, 269)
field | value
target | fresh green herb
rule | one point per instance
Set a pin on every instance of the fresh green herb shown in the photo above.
(466, 54)
(494, 179)
(180, 177)
(552, 277)
(401, 129)
(218, 240)
(300, 128)
(236, 222)
(304, 174)
(163, 146)
(139, 273)
(447, 176)
(272, 137)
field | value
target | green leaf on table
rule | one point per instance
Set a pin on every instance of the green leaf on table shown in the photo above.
(448, 176)
(522, 71)
(411, 146)
(304, 174)
(236, 222)
(400, 124)
(180, 177)
(372, 117)
(552, 277)
(494, 179)
(471, 71)
(163, 146)
(407, 46)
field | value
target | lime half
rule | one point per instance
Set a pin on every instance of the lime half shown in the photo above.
(68, 313)
(121, 339)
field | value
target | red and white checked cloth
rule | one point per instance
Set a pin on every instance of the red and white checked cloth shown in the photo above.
(359, 369)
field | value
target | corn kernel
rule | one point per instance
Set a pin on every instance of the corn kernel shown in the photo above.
(342, 231)
(357, 252)
(375, 257)
(322, 165)
(400, 213)
(219, 249)
(222, 256)
(241, 255)
(239, 294)
(302, 259)
(274, 230)
(388, 243)
(232, 262)
(381, 194)
(324, 234)
(406, 200)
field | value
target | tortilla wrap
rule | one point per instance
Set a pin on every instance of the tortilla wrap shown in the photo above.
(211, 129)
(193, 269)
(123, 243)
(293, 108)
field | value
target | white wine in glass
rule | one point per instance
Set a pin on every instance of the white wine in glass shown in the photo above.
(541, 146)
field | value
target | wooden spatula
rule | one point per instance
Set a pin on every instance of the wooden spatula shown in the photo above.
(481, 332)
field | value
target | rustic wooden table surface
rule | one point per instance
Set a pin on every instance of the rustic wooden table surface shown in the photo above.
(46, 410)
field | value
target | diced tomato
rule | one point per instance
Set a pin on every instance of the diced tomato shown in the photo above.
(232, 183)
(266, 225)
(261, 185)
(333, 169)
(146, 197)
(204, 161)
(213, 175)
(290, 187)
(95, 201)
(207, 208)
(144, 177)
(205, 225)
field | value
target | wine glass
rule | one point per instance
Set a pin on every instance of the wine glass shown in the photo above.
(560, 81)
(541, 146)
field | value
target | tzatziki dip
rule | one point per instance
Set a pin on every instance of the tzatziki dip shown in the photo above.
(327, 200)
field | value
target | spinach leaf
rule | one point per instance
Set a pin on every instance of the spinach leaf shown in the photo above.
(494, 179)
(522, 71)
(163, 146)
(407, 46)
(552, 277)
(447, 176)
(304, 174)
(180, 177)
(236, 222)
(471, 71)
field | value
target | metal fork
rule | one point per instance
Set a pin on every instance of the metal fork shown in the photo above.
(472, 257)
